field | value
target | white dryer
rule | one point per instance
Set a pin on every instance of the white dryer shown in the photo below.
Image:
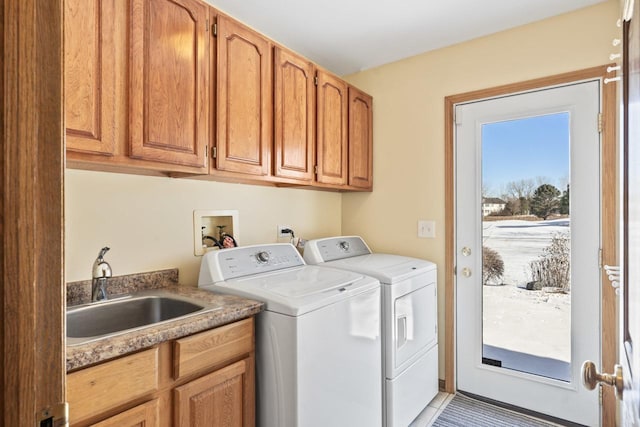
(409, 316)
(318, 341)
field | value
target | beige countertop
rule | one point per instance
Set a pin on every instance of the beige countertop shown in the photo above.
(231, 308)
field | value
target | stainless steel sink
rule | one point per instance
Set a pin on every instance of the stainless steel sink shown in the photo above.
(112, 317)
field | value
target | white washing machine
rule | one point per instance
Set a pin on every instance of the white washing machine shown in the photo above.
(409, 316)
(318, 341)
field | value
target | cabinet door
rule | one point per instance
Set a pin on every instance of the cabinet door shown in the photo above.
(332, 130)
(89, 75)
(223, 398)
(294, 116)
(145, 415)
(360, 139)
(244, 108)
(169, 81)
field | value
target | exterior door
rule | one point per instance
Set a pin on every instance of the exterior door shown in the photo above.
(629, 354)
(527, 248)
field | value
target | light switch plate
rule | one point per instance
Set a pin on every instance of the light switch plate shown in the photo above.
(426, 229)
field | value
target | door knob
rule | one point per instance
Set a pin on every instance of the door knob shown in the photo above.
(466, 272)
(591, 378)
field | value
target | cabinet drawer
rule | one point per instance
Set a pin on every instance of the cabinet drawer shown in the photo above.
(206, 349)
(146, 415)
(102, 387)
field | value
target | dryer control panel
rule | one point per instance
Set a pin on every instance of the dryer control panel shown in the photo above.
(334, 248)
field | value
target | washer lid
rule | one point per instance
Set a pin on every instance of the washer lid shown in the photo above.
(298, 290)
(387, 268)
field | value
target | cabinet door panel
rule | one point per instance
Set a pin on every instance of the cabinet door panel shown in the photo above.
(294, 116)
(244, 109)
(168, 81)
(89, 75)
(332, 130)
(217, 399)
(360, 139)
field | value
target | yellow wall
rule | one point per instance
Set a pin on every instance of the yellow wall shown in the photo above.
(409, 121)
(148, 221)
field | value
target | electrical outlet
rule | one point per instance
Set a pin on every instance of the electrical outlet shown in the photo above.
(280, 233)
(426, 229)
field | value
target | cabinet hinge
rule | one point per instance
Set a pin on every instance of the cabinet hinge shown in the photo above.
(600, 394)
(214, 152)
(600, 262)
(206, 155)
(457, 120)
(207, 25)
(214, 29)
(600, 123)
(315, 80)
(315, 169)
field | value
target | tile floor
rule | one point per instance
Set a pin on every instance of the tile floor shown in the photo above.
(431, 412)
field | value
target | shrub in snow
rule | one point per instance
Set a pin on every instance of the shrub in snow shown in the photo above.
(553, 267)
(492, 265)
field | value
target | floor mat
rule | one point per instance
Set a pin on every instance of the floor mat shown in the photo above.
(465, 411)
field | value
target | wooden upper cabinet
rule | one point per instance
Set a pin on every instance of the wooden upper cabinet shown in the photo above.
(360, 139)
(89, 75)
(294, 116)
(332, 144)
(168, 87)
(243, 92)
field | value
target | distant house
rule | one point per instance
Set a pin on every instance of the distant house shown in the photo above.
(492, 205)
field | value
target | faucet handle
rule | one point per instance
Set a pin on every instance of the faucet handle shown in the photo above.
(102, 252)
(101, 268)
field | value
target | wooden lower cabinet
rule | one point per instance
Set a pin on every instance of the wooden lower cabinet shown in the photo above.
(217, 399)
(206, 379)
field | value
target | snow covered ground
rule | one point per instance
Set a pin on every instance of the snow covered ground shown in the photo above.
(532, 322)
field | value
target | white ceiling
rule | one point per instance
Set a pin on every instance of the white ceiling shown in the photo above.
(346, 36)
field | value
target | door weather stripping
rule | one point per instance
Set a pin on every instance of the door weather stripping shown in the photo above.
(600, 123)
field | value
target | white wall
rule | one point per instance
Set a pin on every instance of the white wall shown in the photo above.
(148, 221)
(409, 121)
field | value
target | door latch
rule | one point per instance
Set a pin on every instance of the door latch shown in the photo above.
(54, 416)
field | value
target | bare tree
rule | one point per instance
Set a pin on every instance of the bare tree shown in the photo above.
(521, 192)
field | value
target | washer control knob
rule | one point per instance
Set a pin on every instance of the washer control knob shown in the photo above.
(344, 246)
(262, 257)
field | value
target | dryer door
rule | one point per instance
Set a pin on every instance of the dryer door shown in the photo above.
(414, 327)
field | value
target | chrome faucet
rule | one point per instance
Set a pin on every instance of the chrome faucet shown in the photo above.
(101, 272)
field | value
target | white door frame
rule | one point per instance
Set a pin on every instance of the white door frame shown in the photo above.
(608, 219)
(564, 398)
